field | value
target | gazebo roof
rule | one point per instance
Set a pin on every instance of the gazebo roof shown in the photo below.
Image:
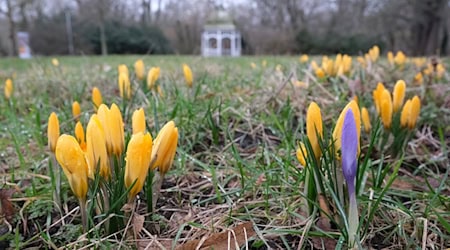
(219, 19)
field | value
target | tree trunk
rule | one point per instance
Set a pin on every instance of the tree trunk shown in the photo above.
(103, 44)
(12, 29)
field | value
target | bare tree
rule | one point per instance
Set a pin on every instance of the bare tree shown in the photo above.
(9, 13)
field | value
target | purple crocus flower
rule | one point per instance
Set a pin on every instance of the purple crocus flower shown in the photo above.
(349, 150)
(349, 154)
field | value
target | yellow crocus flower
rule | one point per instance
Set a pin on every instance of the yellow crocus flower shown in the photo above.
(400, 58)
(301, 154)
(8, 88)
(374, 53)
(138, 121)
(366, 120)
(398, 95)
(116, 133)
(139, 69)
(122, 68)
(55, 62)
(418, 78)
(440, 70)
(96, 152)
(165, 147)
(188, 75)
(264, 63)
(96, 97)
(152, 77)
(390, 57)
(103, 113)
(415, 111)
(337, 132)
(376, 96)
(79, 134)
(314, 128)
(347, 63)
(386, 108)
(406, 113)
(253, 65)
(138, 156)
(320, 73)
(76, 110)
(419, 62)
(304, 59)
(124, 85)
(314, 65)
(53, 131)
(73, 162)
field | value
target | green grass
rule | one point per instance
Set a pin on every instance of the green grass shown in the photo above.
(235, 162)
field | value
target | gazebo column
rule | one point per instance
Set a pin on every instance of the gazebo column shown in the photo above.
(219, 43)
(232, 42)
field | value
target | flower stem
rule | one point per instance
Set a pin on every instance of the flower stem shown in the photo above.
(156, 188)
(105, 204)
(353, 217)
(57, 173)
(83, 214)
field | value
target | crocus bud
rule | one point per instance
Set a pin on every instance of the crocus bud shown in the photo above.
(366, 120)
(314, 128)
(55, 62)
(122, 68)
(96, 152)
(73, 162)
(138, 121)
(76, 110)
(79, 134)
(102, 113)
(53, 131)
(406, 113)
(418, 78)
(96, 97)
(165, 147)
(349, 148)
(139, 69)
(115, 123)
(398, 95)
(138, 156)
(188, 75)
(152, 77)
(337, 132)
(304, 58)
(386, 108)
(349, 155)
(124, 85)
(390, 57)
(8, 88)
(319, 73)
(415, 111)
(400, 58)
(301, 154)
(376, 96)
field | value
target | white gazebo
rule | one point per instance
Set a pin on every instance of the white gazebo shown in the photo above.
(220, 36)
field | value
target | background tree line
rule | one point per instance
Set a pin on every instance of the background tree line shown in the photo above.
(418, 27)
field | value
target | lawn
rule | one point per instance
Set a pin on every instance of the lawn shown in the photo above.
(236, 167)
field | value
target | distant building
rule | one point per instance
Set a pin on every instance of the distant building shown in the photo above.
(220, 36)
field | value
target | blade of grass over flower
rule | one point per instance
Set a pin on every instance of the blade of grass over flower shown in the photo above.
(388, 184)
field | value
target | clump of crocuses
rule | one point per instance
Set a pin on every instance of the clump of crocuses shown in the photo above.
(100, 159)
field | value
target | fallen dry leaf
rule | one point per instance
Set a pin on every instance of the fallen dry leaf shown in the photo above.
(138, 223)
(230, 239)
(6, 207)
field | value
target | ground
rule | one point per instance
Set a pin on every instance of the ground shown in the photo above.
(239, 128)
